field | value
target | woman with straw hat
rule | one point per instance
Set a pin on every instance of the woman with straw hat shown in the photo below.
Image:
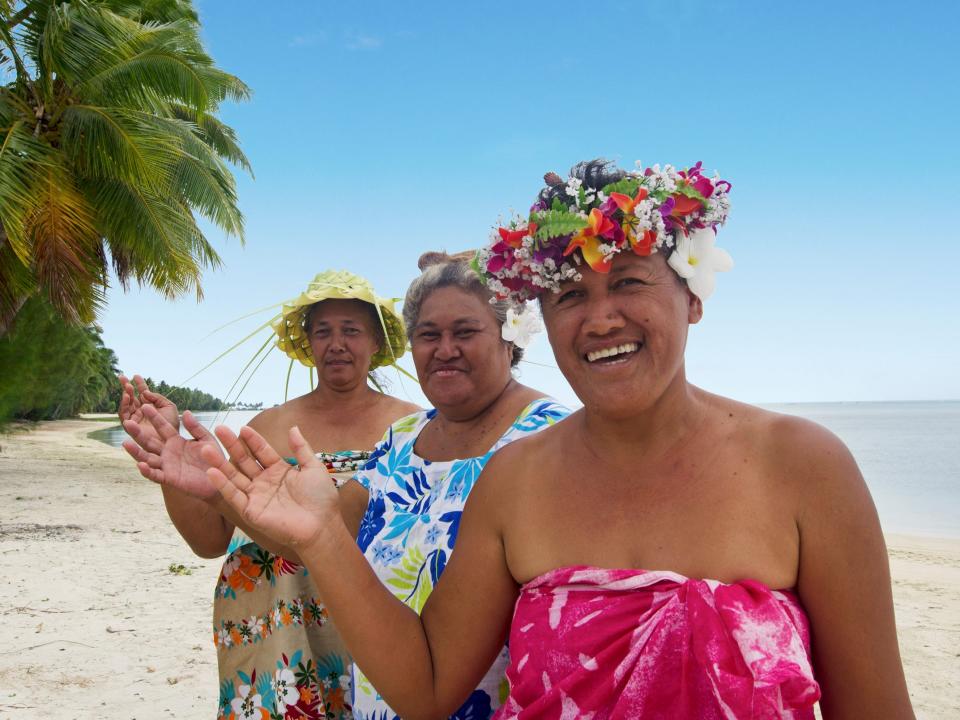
(275, 645)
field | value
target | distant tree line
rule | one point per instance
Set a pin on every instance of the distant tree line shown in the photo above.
(245, 406)
(187, 398)
(51, 369)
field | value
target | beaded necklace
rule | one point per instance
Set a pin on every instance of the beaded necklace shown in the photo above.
(343, 461)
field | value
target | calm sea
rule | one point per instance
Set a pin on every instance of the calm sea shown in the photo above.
(909, 453)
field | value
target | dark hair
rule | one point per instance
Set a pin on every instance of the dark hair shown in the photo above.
(440, 270)
(594, 174)
(367, 307)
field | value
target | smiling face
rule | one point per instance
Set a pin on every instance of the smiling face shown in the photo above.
(619, 337)
(343, 340)
(462, 363)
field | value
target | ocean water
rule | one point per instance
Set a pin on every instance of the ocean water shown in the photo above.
(236, 419)
(909, 453)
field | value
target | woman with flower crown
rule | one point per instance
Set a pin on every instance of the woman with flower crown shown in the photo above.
(403, 512)
(664, 552)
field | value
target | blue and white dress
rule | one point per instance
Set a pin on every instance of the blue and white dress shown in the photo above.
(410, 528)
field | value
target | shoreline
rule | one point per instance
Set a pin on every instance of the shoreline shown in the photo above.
(100, 625)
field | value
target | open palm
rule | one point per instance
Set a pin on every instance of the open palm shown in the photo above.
(290, 505)
(136, 394)
(166, 457)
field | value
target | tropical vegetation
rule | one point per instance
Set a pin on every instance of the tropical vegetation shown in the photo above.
(187, 398)
(50, 369)
(110, 151)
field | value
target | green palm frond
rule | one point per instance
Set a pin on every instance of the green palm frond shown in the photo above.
(145, 11)
(224, 86)
(117, 143)
(22, 161)
(205, 183)
(145, 66)
(111, 59)
(17, 282)
(200, 248)
(161, 244)
(219, 136)
(65, 248)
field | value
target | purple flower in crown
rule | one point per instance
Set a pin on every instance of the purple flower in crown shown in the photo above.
(666, 207)
(608, 207)
(613, 231)
(697, 180)
(550, 251)
(496, 263)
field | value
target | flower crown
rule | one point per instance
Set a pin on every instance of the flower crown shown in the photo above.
(576, 221)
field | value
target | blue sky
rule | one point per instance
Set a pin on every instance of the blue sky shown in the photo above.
(383, 129)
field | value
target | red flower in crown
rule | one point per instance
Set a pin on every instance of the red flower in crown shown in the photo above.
(645, 245)
(588, 239)
(627, 203)
(514, 238)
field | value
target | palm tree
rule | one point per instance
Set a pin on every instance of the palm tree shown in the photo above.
(109, 150)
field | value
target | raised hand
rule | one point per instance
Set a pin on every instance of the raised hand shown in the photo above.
(290, 505)
(165, 457)
(132, 402)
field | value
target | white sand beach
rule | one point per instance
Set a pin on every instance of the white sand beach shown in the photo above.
(100, 622)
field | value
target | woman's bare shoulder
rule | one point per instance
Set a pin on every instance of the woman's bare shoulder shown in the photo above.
(792, 448)
(534, 451)
(397, 408)
(778, 432)
(267, 419)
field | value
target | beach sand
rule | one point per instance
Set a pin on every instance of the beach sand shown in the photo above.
(95, 624)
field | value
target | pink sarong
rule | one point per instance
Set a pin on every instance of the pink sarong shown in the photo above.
(595, 644)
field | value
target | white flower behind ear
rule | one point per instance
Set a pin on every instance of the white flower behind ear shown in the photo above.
(696, 259)
(519, 328)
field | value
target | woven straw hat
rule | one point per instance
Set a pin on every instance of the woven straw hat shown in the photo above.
(338, 285)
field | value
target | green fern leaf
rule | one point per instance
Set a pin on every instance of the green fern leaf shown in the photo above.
(690, 192)
(556, 223)
(626, 186)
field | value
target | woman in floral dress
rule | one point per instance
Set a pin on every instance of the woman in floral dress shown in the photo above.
(277, 652)
(421, 474)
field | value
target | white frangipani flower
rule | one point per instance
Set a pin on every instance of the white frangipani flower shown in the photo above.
(247, 704)
(519, 328)
(696, 259)
(285, 689)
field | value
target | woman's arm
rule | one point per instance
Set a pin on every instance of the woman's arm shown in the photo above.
(844, 582)
(424, 666)
(195, 507)
(250, 453)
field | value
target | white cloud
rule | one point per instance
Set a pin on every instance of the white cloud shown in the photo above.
(360, 41)
(308, 39)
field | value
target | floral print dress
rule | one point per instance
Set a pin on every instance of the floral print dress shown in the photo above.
(410, 528)
(279, 656)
